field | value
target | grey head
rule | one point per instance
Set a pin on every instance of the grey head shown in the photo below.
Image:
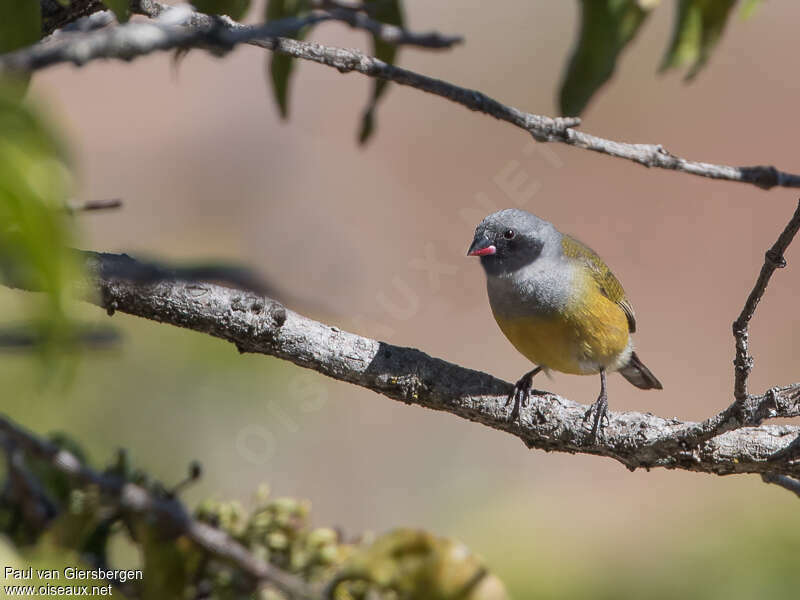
(511, 239)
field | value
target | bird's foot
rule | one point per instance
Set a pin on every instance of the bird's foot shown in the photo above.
(521, 393)
(600, 411)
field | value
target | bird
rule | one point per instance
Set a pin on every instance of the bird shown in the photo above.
(559, 305)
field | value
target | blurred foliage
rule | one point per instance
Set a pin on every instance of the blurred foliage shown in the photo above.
(160, 394)
(753, 559)
(35, 233)
(698, 27)
(749, 8)
(385, 11)
(121, 8)
(416, 565)
(731, 558)
(280, 65)
(608, 26)
(400, 565)
(20, 25)
(235, 9)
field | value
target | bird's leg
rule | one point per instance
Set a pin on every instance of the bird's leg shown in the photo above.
(599, 408)
(522, 389)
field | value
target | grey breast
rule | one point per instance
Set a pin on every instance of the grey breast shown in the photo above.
(539, 288)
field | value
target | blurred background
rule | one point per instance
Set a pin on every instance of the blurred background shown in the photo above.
(373, 239)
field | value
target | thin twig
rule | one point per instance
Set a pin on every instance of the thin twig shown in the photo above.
(209, 30)
(788, 483)
(126, 42)
(77, 206)
(135, 499)
(36, 507)
(773, 260)
(392, 34)
(178, 27)
(747, 410)
(777, 402)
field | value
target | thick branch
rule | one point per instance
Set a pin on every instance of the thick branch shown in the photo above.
(257, 324)
(212, 32)
(169, 513)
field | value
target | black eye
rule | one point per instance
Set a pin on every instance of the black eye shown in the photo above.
(509, 234)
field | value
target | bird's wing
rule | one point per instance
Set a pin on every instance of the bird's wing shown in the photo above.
(609, 285)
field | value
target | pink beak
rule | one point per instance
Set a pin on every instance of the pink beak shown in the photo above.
(483, 251)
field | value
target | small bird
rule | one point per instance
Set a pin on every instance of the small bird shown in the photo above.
(559, 305)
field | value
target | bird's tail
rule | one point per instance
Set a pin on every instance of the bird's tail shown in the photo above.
(639, 375)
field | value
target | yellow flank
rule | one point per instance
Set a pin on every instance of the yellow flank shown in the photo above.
(603, 277)
(591, 332)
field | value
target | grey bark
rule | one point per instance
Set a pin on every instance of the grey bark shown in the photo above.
(736, 443)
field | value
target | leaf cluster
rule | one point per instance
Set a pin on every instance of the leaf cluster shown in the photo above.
(83, 521)
(608, 27)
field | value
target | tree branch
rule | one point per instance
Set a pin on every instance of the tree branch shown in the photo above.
(746, 409)
(81, 206)
(788, 483)
(390, 34)
(204, 31)
(55, 15)
(128, 41)
(772, 260)
(257, 324)
(168, 512)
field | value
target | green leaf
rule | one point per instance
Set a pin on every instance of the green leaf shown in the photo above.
(235, 9)
(698, 27)
(385, 11)
(280, 65)
(20, 24)
(749, 8)
(121, 8)
(35, 235)
(607, 26)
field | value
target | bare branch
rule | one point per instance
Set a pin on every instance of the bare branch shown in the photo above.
(772, 260)
(748, 410)
(179, 27)
(257, 324)
(542, 128)
(27, 336)
(752, 411)
(135, 499)
(126, 42)
(205, 31)
(22, 487)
